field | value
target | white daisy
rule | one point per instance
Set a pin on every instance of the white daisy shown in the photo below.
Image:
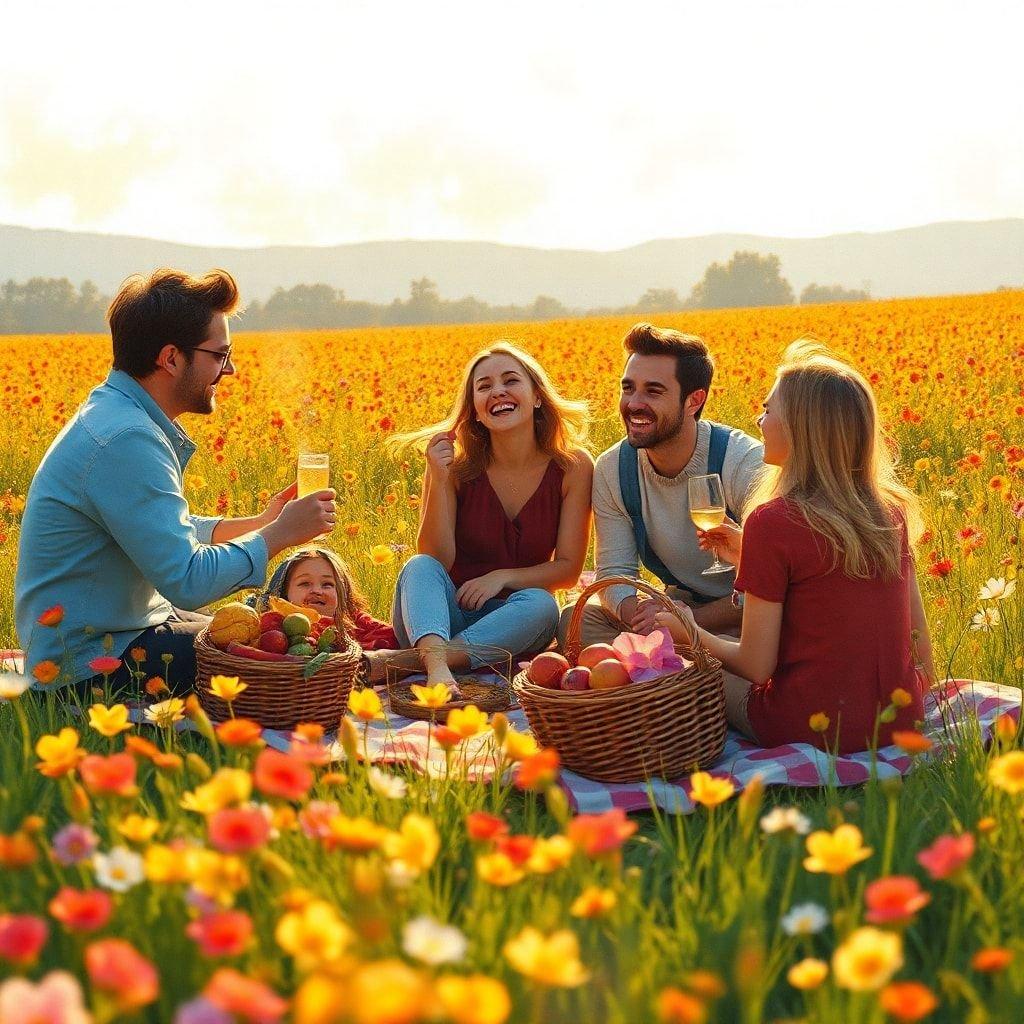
(782, 819)
(997, 589)
(433, 943)
(385, 785)
(805, 919)
(13, 685)
(986, 619)
(118, 870)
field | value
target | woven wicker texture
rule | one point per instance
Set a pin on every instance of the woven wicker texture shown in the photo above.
(663, 728)
(277, 696)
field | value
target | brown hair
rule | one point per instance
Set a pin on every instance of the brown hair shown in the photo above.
(169, 307)
(350, 600)
(694, 366)
(559, 425)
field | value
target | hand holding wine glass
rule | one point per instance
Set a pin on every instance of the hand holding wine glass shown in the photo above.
(707, 510)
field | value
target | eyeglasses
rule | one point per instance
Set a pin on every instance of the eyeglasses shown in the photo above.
(224, 356)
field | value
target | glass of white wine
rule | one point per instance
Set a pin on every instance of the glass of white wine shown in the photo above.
(707, 510)
(313, 473)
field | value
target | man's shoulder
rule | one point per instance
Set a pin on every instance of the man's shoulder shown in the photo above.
(739, 442)
(608, 460)
(108, 414)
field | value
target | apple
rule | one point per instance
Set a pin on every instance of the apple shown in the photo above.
(595, 653)
(273, 641)
(577, 678)
(547, 670)
(270, 620)
(608, 674)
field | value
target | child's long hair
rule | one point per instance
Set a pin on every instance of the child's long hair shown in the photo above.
(560, 425)
(840, 472)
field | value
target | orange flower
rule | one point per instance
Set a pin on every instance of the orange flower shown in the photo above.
(597, 834)
(138, 654)
(992, 959)
(239, 732)
(81, 910)
(46, 671)
(142, 747)
(482, 826)
(52, 616)
(119, 969)
(237, 829)
(907, 1000)
(538, 770)
(675, 1006)
(901, 698)
(910, 741)
(233, 992)
(277, 774)
(155, 686)
(819, 722)
(222, 933)
(894, 899)
(17, 850)
(113, 774)
(446, 738)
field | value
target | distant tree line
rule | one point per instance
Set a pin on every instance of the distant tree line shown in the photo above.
(54, 305)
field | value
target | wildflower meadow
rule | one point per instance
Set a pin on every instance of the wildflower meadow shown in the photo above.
(151, 872)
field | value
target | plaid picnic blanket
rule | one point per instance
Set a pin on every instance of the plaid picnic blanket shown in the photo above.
(949, 710)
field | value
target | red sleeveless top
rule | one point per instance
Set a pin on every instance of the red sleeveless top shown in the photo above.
(486, 539)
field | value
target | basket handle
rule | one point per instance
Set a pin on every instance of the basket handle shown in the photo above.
(572, 635)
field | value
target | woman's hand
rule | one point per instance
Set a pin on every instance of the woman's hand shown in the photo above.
(473, 594)
(677, 630)
(726, 539)
(441, 454)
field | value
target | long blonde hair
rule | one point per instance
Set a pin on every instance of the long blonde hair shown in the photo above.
(840, 472)
(560, 425)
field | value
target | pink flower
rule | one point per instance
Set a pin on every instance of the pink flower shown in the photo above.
(119, 969)
(245, 997)
(648, 657)
(947, 855)
(22, 936)
(57, 999)
(74, 843)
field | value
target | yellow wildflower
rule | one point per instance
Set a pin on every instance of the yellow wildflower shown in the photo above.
(707, 790)
(381, 554)
(365, 704)
(228, 786)
(357, 835)
(415, 844)
(166, 712)
(1007, 772)
(137, 829)
(519, 746)
(550, 854)
(226, 687)
(476, 999)
(867, 959)
(548, 960)
(435, 696)
(314, 935)
(593, 902)
(807, 974)
(109, 721)
(498, 869)
(834, 853)
(468, 721)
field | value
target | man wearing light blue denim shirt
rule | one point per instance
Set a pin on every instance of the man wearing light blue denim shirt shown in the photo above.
(107, 533)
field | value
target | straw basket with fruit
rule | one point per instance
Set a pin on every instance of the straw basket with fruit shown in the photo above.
(638, 709)
(295, 670)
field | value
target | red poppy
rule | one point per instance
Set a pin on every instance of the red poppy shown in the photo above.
(81, 910)
(277, 774)
(114, 773)
(119, 969)
(22, 936)
(52, 616)
(104, 665)
(238, 829)
(894, 899)
(482, 826)
(247, 998)
(947, 855)
(597, 834)
(222, 933)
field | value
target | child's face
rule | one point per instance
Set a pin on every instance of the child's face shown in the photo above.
(312, 584)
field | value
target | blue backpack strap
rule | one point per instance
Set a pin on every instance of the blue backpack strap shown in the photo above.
(716, 457)
(629, 485)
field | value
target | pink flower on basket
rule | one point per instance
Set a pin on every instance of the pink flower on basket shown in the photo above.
(648, 657)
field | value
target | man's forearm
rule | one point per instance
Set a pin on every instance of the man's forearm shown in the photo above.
(229, 529)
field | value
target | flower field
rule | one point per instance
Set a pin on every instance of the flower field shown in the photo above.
(198, 877)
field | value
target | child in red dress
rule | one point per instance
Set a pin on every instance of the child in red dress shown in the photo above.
(831, 605)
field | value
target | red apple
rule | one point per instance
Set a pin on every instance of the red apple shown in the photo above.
(595, 653)
(274, 641)
(608, 674)
(270, 620)
(577, 678)
(547, 670)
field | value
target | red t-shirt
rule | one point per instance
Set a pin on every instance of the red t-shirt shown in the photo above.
(845, 643)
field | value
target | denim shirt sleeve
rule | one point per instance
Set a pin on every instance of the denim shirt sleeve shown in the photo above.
(136, 492)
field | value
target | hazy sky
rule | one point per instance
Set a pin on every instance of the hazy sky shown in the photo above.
(584, 124)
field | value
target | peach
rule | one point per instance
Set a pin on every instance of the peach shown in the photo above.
(595, 653)
(547, 670)
(576, 678)
(608, 674)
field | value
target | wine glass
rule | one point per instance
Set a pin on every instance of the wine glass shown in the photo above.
(707, 510)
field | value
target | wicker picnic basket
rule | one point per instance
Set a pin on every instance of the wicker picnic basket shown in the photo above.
(664, 728)
(277, 695)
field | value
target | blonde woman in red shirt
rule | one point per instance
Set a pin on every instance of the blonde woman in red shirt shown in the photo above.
(831, 603)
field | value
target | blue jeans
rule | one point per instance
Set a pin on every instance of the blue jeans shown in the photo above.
(425, 605)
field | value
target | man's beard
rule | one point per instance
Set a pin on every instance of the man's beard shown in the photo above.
(194, 396)
(657, 436)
